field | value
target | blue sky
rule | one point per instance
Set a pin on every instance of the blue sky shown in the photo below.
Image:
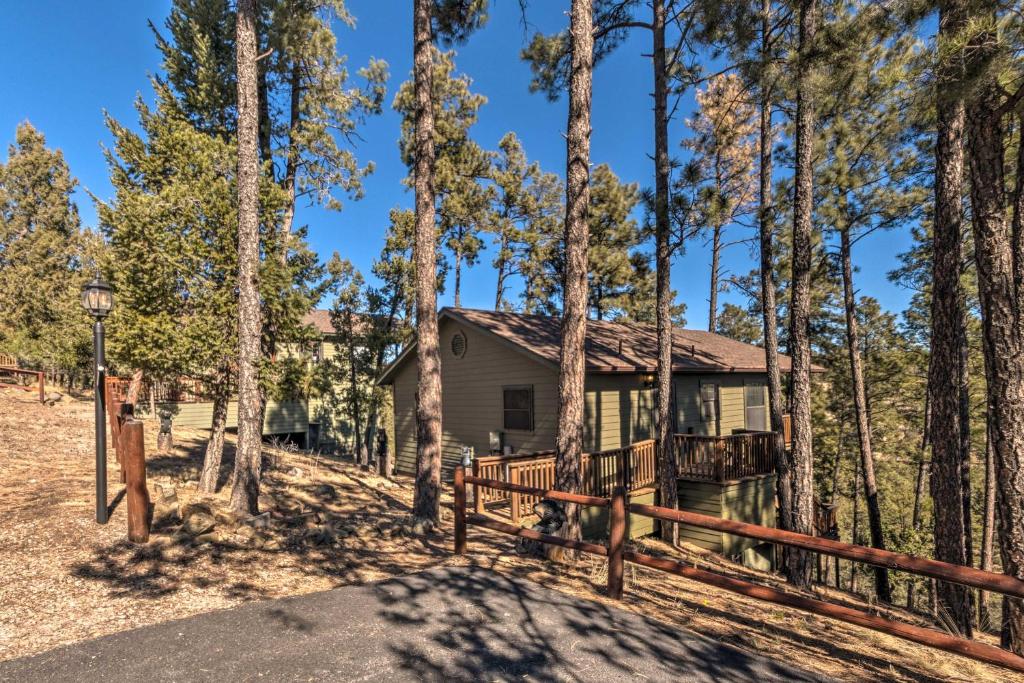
(65, 63)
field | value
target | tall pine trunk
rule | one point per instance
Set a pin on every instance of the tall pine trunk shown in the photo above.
(427, 496)
(291, 163)
(218, 423)
(572, 357)
(769, 309)
(921, 484)
(947, 334)
(997, 256)
(359, 453)
(799, 563)
(716, 258)
(988, 519)
(246, 488)
(667, 470)
(860, 406)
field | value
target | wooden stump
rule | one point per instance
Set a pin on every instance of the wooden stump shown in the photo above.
(133, 459)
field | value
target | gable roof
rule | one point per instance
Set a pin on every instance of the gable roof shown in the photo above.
(611, 347)
(320, 320)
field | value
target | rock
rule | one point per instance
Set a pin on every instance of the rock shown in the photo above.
(226, 518)
(295, 472)
(52, 397)
(166, 494)
(272, 544)
(266, 502)
(325, 491)
(165, 515)
(421, 527)
(211, 537)
(197, 506)
(245, 532)
(261, 521)
(199, 523)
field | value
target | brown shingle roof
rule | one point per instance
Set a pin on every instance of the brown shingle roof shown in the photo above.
(615, 347)
(319, 318)
(620, 346)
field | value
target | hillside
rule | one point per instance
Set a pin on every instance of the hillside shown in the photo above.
(67, 579)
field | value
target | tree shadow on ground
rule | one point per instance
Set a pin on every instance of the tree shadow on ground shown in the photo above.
(477, 624)
(329, 489)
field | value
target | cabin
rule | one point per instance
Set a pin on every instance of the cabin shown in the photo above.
(310, 422)
(499, 374)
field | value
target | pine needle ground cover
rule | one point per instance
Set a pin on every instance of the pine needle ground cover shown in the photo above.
(66, 579)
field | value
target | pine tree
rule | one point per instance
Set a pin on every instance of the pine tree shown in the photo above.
(724, 147)
(44, 259)
(451, 20)
(526, 210)
(460, 167)
(249, 454)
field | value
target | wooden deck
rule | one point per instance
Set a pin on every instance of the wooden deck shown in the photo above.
(718, 459)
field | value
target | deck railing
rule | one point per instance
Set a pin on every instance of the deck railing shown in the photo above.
(634, 467)
(725, 458)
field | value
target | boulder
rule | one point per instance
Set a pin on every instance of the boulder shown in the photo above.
(261, 521)
(210, 537)
(325, 492)
(165, 516)
(52, 397)
(198, 523)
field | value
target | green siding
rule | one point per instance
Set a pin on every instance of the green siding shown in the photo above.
(750, 500)
(282, 417)
(595, 519)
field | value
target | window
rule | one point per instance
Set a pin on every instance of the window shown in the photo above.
(518, 408)
(755, 407)
(709, 402)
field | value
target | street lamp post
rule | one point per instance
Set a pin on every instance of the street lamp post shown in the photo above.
(98, 299)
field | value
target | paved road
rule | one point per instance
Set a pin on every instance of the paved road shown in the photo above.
(465, 624)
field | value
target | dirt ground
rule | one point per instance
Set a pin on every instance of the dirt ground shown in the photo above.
(66, 579)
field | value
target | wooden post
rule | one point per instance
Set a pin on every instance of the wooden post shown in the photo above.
(616, 542)
(513, 478)
(42, 388)
(478, 502)
(133, 458)
(719, 459)
(460, 510)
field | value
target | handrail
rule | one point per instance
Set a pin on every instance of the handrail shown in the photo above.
(617, 556)
(923, 566)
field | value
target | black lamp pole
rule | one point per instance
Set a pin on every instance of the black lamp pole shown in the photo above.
(98, 299)
(101, 427)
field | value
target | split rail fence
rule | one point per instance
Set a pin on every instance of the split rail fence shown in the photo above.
(12, 377)
(618, 555)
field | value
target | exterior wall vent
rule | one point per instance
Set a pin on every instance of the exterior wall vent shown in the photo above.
(459, 345)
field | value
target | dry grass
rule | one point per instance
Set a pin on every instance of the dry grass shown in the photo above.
(66, 579)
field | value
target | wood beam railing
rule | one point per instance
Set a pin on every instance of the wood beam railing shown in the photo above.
(617, 556)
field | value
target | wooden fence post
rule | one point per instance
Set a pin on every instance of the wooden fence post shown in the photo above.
(133, 458)
(513, 478)
(478, 502)
(460, 510)
(616, 542)
(42, 388)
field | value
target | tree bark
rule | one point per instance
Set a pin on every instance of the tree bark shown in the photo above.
(799, 563)
(215, 446)
(921, 484)
(1002, 319)
(769, 309)
(359, 453)
(855, 530)
(572, 356)
(667, 470)
(716, 257)
(246, 488)
(947, 336)
(427, 495)
(860, 406)
(988, 520)
(458, 278)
